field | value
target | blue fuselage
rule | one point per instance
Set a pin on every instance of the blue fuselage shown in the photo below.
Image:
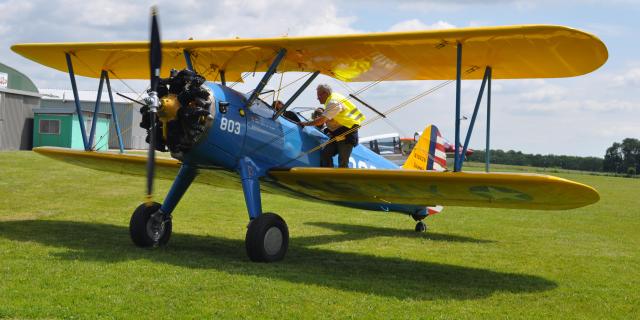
(238, 131)
(241, 132)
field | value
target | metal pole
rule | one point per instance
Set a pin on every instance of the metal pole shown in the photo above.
(187, 59)
(266, 77)
(113, 113)
(222, 78)
(72, 76)
(473, 118)
(458, 85)
(95, 110)
(295, 95)
(487, 149)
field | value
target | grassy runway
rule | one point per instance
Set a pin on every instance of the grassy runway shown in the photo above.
(65, 253)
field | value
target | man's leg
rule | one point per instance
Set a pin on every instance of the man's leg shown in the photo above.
(344, 152)
(327, 153)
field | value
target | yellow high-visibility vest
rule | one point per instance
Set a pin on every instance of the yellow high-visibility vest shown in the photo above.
(350, 114)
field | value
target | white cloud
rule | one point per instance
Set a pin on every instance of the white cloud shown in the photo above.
(546, 93)
(11, 15)
(631, 78)
(415, 24)
(459, 5)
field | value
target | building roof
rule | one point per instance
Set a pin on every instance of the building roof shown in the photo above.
(84, 96)
(17, 80)
(67, 110)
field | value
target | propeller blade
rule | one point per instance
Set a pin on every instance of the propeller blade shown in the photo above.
(155, 50)
(151, 156)
(155, 63)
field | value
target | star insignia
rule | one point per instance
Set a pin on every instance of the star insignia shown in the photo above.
(500, 193)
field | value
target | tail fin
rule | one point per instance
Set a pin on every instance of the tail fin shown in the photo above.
(428, 153)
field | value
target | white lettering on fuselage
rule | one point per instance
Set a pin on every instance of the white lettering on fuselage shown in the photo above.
(229, 125)
(360, 164)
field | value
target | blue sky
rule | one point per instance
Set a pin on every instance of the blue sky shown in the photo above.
(576, 116)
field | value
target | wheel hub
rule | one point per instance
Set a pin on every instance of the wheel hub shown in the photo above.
(273, 240)
(156, 227)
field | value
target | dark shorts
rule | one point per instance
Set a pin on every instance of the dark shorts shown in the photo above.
(342, 148)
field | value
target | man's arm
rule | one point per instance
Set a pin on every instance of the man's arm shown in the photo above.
(315, 122)
(333, 108)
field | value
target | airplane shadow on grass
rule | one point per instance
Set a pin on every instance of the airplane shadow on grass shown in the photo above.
(383, 276)
(359, 232)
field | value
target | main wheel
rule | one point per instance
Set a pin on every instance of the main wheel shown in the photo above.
(267, 238)
(148, 227)
(421, 227)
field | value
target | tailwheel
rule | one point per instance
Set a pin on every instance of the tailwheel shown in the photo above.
(150, 227)
(421, 226)
(267, 238)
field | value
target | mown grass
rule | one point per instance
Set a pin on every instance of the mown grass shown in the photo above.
(65, 253)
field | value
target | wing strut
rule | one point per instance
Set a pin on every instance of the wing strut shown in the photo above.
(187, 59)
(223, 80)
(487, 74)
(96, 109)
(88, 141)
(456, 158)
(487, 149)
(114, 115)
(266, 77)
(72, 77)
(295, 95)
(460, 154)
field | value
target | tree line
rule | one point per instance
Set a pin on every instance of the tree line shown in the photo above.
(621, 158)
(518, 158)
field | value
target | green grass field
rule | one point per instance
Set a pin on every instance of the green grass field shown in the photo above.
(65, 253)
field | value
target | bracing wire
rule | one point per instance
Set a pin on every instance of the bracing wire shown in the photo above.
(391, 110)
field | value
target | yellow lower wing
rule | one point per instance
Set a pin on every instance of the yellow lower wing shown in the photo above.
(133, 164)
(409, 187)
(413, 187)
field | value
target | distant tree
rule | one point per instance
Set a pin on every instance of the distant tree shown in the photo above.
(613, 158)
(631, 154)
(623, 157)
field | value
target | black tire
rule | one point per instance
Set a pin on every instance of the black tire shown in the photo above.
(267, 238)
(421, 227)
(141, 224)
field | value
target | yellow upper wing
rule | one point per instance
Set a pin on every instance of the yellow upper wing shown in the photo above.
(529, 51)
(427, 188)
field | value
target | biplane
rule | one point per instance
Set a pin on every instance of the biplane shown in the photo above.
(237, 140)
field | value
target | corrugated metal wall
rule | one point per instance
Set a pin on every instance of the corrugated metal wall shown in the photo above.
(132, 135)
(16, 121)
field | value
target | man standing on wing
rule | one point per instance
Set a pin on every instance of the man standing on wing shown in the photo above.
(340, 116)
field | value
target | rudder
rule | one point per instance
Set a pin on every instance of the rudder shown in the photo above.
(428, 153)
